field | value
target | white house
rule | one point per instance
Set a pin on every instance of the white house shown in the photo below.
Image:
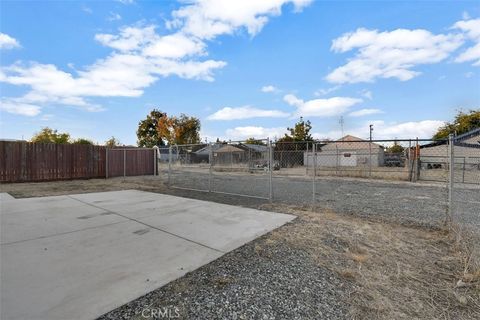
(348, 151)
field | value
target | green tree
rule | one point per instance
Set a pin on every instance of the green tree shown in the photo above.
(48, 135)
(395, 148)
(82, 141)
(147, 133)
(112, 142)
(300, 132)
(179, 130)
(187, 129)
(463, 122)
(255, 141)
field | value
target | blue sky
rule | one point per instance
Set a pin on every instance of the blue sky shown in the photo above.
(246, 69)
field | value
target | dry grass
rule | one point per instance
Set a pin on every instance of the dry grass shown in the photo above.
(399, 272)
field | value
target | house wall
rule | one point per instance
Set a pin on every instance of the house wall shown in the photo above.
(358, 158)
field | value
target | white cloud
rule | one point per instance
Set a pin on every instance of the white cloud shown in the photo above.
(269, 88)
(390, 54)
(245, 112)
(207, 19)
(114, 16)
(469, 74)
(324, 92)
(46, 117)
(87, 9)
(129, 38)
(364, 112)
(321, 107)
(424, 129)
(241, 133)
(366, 94)
(471, 28)
(7, 42)
(126, 1)
(140, 56)
(406, 130)
(175, 46)
(16, 107)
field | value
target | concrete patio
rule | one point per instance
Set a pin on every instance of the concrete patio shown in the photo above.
(79, 256)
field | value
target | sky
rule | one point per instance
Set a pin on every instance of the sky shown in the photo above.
(245, 68)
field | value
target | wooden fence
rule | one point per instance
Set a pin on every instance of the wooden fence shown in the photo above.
(26, 162)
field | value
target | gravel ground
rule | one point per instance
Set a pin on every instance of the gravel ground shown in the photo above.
(314, 267)
(250, 283)
(408, 203)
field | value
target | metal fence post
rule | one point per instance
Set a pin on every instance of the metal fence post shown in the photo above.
(106, 162)
(451, 166)
(210, 159)
(270, 166)
(314, 170)
(155, 148)
(124, 163)
(169, 164)
(409, 163)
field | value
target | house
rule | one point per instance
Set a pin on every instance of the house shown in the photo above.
(348, 151)
(229, 154)
(466, 151)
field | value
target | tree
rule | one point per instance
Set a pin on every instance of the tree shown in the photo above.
(463, 122)
(395, 148)
(187, 129)
(159, 129)
(82, 141)
(255, 141)
(179, 130)
(112, 142)
(147, 133)
(48, 135)
(300, 132)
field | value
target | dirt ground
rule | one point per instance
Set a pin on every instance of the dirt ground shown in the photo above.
(394, 271)
(399, 272)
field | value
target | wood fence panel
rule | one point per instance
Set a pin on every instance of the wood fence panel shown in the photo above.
(24, 161)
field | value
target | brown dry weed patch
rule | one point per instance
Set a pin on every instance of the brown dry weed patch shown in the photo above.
(399, 272)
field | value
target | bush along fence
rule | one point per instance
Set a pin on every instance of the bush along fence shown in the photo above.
(30, 162)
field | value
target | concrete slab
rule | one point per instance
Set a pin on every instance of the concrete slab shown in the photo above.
(79, 256)
(5, 197)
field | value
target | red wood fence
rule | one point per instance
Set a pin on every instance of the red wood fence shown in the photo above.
(24, 161)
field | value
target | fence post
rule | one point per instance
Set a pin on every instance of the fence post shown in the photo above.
(451, 175)
(124, 163)
(210, 159)
(270, 166)
(370, 156)
(155, 162)
(409, 163)
(314, 170)
(169, 164)
(106, 162)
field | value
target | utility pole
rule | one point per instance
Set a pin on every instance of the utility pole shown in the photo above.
(370, 152)
(341, 125)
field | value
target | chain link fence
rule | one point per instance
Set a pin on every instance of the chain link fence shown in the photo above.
(417, 181)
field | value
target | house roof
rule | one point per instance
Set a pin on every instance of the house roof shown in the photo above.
(256, 147)
(351, 142)
(467, 135)
(229, 148)
(459, 140)
(205, 150)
